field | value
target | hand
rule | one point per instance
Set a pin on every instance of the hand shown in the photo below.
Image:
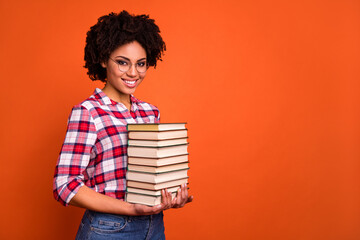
(182, 197)
(166, 203)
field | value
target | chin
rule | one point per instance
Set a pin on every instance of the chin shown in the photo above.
(128, 91)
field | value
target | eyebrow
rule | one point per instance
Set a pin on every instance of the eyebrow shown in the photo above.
(129, 59)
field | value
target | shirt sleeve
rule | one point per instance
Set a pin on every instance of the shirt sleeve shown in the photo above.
(157, 115)
(75, 154)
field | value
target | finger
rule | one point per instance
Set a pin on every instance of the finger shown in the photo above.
(178, 192)
(163, 197)
(179, 197)
(169, 198)
(176, 198)
(186, 189)
(173, 202)
(190, 199)
(185, 193)
(166, 199)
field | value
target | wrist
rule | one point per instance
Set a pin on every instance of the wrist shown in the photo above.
(129, 209)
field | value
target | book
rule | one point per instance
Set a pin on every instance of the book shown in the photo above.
(155, 126)
(157, 152)
(145, 199)
(154, 169)
(150, 192)
(157, 143)
(159, 186)
(156, 177)
(157, 161)
(155, 135)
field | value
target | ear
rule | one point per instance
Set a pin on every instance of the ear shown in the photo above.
(104, 65)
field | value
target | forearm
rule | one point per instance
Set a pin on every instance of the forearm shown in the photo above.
(89, 199)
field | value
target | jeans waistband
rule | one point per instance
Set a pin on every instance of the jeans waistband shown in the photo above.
(92, 214)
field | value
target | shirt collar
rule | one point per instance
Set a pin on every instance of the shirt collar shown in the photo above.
(134, 99)
(105, 100)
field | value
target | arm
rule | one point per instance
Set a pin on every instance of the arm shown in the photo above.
(89, 199)
(75, 154)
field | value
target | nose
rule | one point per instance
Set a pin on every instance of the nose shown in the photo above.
(132, 71)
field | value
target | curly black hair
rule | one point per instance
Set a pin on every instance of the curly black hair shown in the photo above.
(114, 30)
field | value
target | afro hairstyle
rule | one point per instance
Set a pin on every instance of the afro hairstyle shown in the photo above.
(114, 30)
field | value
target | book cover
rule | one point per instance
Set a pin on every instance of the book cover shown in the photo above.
(150, 192)
(155, 126)
(159, 186)
(155, 169)
(156, 177)
(154, 135)
(157, 152)
(158, 161)
(157, 143)
(145, 199)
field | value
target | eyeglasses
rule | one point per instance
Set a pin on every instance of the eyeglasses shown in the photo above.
(125, 65)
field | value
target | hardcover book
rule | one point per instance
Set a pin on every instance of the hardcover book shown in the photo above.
(145, 199)
(157, 152)
(150, 192)
(155, 126)
(164, 135)
(157, 162)
(157, 143)
(158, 186)
(156, 177)
(154, 169)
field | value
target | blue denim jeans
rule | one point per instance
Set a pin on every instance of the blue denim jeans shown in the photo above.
(97, 226)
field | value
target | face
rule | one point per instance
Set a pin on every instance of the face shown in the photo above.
(121, 84)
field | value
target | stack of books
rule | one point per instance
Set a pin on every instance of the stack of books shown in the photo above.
(157, 159)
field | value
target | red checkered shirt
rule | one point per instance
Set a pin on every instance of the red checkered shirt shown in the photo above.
(94, 152)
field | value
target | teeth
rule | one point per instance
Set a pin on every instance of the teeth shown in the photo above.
(130, 82)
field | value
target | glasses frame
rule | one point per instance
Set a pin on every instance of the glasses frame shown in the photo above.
(130, 66)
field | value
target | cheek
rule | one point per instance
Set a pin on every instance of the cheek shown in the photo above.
(142, 75)
(114, 73)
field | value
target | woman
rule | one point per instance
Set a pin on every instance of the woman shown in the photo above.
(91, 168)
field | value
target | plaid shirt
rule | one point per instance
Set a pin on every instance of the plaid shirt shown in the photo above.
(94, 152)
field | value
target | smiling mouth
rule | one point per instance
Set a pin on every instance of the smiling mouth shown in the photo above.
(130, 84)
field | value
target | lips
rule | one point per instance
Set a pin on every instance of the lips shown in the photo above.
(130, 83)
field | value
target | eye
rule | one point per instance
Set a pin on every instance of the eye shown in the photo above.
(141, 64)
(122, 63)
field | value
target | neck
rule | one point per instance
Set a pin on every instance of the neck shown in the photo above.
(117, 96)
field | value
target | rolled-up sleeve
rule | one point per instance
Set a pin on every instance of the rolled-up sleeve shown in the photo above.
(157, 115)
(75, 155)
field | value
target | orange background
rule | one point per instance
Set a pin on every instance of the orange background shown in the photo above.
(270, 91)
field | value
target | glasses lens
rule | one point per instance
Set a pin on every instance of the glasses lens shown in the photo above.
(141, 67)
(123, 66)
